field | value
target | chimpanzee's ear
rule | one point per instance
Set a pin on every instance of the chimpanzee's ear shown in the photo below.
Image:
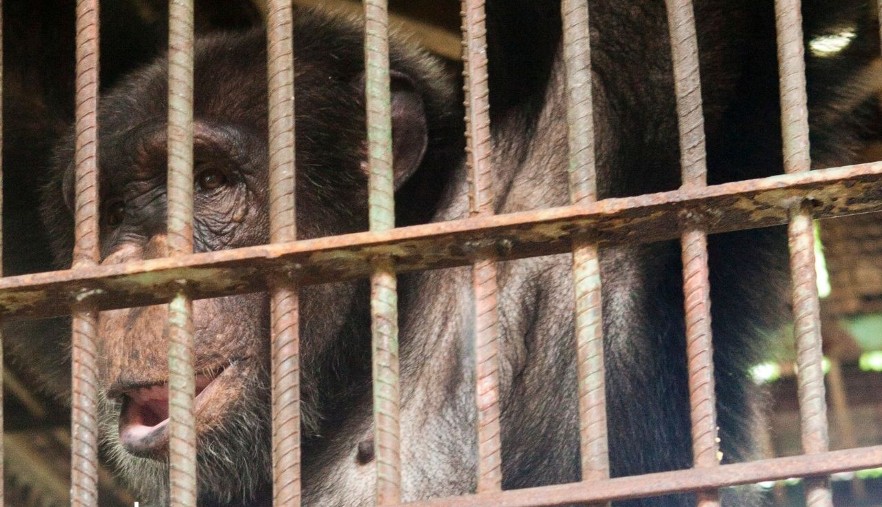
(409, 129)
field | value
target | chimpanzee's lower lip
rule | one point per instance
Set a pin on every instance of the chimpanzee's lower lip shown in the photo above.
(141, 440)
(143, 419)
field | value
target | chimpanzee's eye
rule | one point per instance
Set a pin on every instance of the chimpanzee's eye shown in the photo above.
(114, 213)
(211, 178)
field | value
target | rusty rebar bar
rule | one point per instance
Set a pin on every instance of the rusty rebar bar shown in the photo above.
(809, 355)
(699, 352)
(580, 107)
(664, 483)
(381, 207)
(182, 436)
(640, 219)
(284, 306)
(791, 68)
(696, 282)
(384, 317)
(806, 306)
(84, 369)
(594, 441)
(2, 359)
(484, 271)
(384, 295)
(182, 380)
(687, 85)
(84, 402)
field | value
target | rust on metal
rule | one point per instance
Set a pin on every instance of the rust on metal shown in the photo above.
(662, 483)
(2, 359)
(809, 354)
(182, 378)
(699, 352)
(687, 85)
(84, 401)
(580, 109)
(284, 305)
(384, 293)
(384, 326)
(484, 284)
(593, 436)
(640, 219)
(84, 369)
(484, 270)
(806, 305)
(696, 282)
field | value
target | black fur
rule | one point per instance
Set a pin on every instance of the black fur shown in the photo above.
(637, 153)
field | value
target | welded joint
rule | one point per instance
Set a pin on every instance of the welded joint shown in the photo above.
(806, 202)
(691, 218)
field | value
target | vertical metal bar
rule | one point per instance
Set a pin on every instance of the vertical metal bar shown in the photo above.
(384, 294)
(484, 272)
(586, 265)
(806, 306)
(182, 424)
(687, 84)
(580, 108)
(84, 395)
(285, 314)
(2, 359)
(696, 283)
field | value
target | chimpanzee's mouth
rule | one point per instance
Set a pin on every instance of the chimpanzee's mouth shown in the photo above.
(143, 420)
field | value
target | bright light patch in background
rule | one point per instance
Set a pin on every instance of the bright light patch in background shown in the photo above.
(871, 361)
(832, 44)
(866, 330)
(764, 373)
(872, 473)
(823, 276)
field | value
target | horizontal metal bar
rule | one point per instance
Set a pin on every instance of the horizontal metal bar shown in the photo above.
(694, 479)
(652, 217)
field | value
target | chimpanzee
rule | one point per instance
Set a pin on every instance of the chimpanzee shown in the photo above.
(637, 152)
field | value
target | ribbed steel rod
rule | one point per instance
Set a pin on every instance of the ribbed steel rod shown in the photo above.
(2, 470)
(580, 106)
(586, 261)
(806, 306)
(182, 380)
(84, 369)
(628, 220)
(284, 307)
(384, 295)
(696, 283)
(484, 272)
(665, 483)
(687, 85)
